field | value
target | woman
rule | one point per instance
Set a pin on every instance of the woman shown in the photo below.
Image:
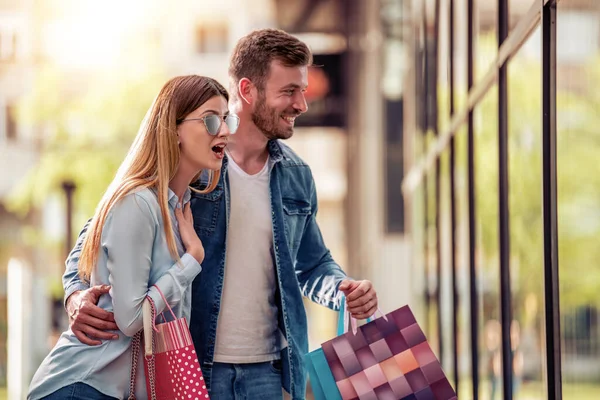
(142, 235)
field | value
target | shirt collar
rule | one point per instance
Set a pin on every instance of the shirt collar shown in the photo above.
(275, 151)
(173, 199)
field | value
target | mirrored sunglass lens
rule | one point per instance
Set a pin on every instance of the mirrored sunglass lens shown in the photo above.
(232, 122)
(213, 123)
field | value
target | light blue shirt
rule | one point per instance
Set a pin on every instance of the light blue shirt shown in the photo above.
(134, 256)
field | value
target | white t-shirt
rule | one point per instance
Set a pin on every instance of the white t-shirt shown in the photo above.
(247, 329)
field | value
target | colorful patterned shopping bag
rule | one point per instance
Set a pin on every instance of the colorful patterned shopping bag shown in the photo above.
(170, 360)
(388, 358)
(322, 382)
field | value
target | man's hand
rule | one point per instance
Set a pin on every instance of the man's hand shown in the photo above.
(361, 298)
(88, 321)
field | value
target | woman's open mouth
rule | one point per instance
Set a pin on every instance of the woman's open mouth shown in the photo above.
(219, 150)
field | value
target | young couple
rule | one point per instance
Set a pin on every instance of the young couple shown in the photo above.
(248, 221)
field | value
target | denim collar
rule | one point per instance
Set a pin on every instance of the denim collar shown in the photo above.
(275, 151)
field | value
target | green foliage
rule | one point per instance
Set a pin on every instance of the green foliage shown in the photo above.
(578, 184)
(87, 130)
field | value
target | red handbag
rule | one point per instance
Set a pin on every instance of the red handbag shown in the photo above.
(170, 360)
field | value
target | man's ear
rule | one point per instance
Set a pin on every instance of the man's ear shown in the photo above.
(247, 90)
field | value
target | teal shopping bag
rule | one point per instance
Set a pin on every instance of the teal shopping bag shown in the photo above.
(322, 381)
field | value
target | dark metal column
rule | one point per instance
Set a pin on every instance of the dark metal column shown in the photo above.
(438, 203)
(503, 212)
(455, 307)
(69, 188)
(549, 189)
(473, 299)
(424, 124)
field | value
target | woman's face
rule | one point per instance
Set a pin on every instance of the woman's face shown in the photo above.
(199, 149)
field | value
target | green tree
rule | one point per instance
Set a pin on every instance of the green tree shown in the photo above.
(85, 133)
(578, 183)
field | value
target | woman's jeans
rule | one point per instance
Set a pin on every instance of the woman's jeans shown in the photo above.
(77, 391)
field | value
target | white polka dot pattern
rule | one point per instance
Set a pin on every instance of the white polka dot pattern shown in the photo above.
(178, 375)
(172, 369)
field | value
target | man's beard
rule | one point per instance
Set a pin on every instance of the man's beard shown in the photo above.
(268, 121)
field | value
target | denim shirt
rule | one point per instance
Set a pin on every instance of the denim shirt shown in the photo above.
(303, 264)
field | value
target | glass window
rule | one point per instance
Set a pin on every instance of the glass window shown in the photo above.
(462, 265)
(486, 36)
(578, 116)
(526, 225)
(445, 280)
(460, 54)
(486, 203)
(443, 65)
(517, 9)
(431, 264)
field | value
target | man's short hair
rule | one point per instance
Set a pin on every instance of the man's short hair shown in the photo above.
(252, 55)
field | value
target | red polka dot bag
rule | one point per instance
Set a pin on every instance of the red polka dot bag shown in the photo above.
(170, 360)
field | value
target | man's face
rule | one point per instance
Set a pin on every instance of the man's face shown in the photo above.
(281, 100)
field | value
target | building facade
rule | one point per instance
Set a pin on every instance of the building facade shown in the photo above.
(503, 193)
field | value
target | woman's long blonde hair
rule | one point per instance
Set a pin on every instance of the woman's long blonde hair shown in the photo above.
(153, 159)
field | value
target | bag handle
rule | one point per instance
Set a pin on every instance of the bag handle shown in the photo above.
(166, 302)
(344, 317)
(149, 325)
(148, 314)
(149, 318)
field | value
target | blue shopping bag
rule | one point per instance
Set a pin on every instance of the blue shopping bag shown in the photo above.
(321, 379)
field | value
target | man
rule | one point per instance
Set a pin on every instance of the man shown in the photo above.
(264, 249)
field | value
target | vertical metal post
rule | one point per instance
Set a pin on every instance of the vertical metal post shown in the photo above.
(68, 188)
(438, 203)
(473, 296)
(549, 190)
(455, 306)
(504, 213)
(424, 131)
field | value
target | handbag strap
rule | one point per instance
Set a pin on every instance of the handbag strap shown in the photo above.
(135, 353)
(149, 312)
(149, 316)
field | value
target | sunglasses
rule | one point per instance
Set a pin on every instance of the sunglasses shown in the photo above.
(213, 122)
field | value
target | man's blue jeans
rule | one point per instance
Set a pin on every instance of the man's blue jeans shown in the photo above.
(77, 391)
(246, 381)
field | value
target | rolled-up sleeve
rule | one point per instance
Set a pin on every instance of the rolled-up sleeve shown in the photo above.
(319, 276)
(128, 238)
(72, 282)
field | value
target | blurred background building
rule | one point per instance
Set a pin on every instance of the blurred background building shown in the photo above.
(453, 143)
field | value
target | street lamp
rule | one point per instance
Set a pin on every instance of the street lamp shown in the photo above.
(69, 188)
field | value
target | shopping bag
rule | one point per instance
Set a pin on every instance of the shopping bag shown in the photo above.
(322, 382)
(388, 358)
(170, 360)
